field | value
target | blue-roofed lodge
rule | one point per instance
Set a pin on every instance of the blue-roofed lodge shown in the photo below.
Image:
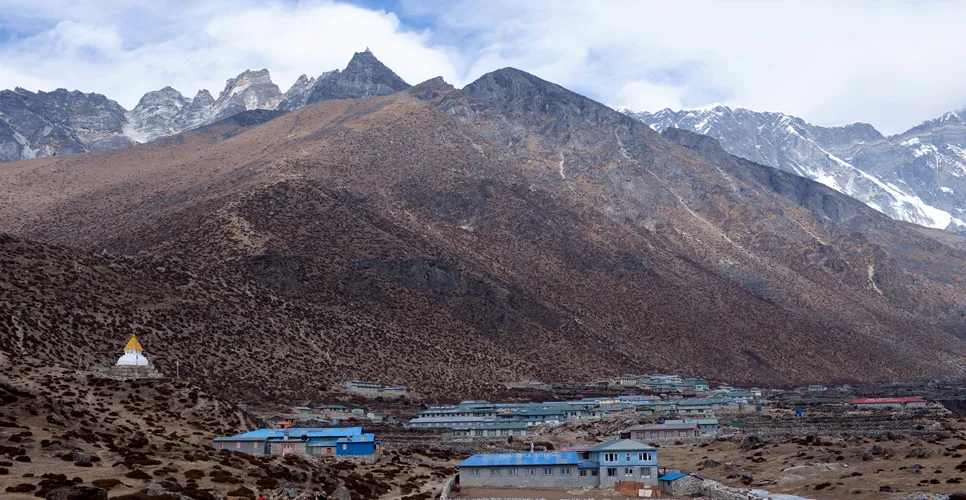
(323, 442)
(602, 465)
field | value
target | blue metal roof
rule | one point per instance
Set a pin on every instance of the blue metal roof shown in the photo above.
(505, 459)
(673, 476)
(294, 433)
(364, 438)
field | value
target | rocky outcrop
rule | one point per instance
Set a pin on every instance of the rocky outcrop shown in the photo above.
(166, 112)
(247, 91)
(58, 122)
(299, 93)
(365, 76)
(158, 114)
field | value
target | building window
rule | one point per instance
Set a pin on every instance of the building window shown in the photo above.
(629, 471)
(475, 472)
(627, 458)
(610, 457)
(495, 472)
(667, 434)
(531, 472)
(583, 473)
(513, 472)
(612, 472)
(565, 471)
(478, 433)
(655, 434)
(683, 434)
(645, 457)
(548, 471)
(594, 472)
(238, 445)
(645, 472)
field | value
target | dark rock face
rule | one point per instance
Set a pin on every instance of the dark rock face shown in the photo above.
(298, 95)
(58, 122)
(917, 176)
(365, 76)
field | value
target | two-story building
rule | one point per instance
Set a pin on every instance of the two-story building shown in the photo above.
(654, 432)
(600, 466)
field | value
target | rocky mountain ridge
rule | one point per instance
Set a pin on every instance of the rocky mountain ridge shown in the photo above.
(451, 240)
(36, 124)
(917, 176)
(61, 122)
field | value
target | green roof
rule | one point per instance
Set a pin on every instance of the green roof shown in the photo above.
(622, 445)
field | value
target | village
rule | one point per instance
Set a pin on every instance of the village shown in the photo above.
(649, 435)
(613, 444)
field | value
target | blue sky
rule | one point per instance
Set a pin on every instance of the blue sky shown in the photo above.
(892, 64)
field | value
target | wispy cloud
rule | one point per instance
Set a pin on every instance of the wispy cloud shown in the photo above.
(891, 64)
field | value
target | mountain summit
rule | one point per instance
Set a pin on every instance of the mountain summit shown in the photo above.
(364, 76)
(918, 176)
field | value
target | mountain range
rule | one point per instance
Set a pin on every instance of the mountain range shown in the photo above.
(452, 240)
(61, 122)
(917, 176)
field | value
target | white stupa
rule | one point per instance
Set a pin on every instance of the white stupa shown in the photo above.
(133, 354)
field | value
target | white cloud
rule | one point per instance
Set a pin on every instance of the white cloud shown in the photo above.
(201, 48)
(831, 62)
(641, 94)
(892, 64)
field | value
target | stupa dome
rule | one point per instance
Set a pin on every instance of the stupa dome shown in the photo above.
(133, 354)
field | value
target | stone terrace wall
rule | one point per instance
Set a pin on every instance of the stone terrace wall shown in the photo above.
(866, 425)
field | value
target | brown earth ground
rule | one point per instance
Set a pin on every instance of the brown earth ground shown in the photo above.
(817, 473)
(820, 467)
(60, 427)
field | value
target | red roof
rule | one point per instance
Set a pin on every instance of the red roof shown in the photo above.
(873, 401)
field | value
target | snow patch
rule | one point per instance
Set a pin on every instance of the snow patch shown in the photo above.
(134, 134)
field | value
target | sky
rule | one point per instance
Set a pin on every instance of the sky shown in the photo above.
(889, 63)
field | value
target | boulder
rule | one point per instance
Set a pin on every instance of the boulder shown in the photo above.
(341, 493)
(78, 492)
(155, 490)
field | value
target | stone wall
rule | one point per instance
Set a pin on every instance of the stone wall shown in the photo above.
(684, 487)
(866, 425)
(447, 488)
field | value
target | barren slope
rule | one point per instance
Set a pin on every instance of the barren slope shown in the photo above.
(508, 230)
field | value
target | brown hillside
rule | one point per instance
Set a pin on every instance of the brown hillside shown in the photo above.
(450, 239)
